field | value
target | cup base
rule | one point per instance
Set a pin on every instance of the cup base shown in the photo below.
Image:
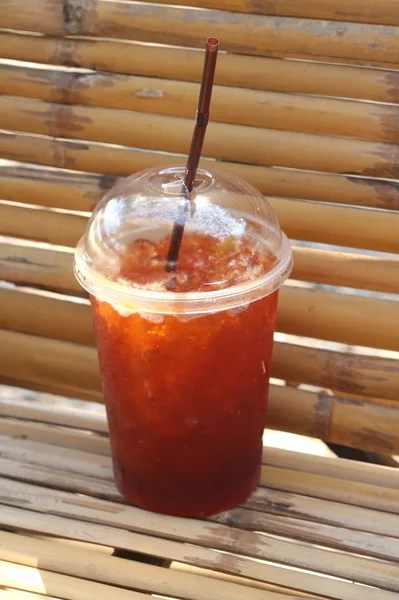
(187, 505)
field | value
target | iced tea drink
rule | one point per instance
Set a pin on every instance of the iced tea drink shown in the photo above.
(186, 387)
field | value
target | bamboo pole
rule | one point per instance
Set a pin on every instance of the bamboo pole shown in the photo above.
(50, 365)
(358, 11)
(269, 573)
(70, 438)
(115, 571)
(58, 318)
(289, 526)
(130, 541)
(100, 466)
(12, 594)
(240, 518)
(264, 500)
(347, 319)
(344, 269)
(278, 573)
(66, 416)
(55, 188)
(356, 518)
(329, 465)
(89, 464)
(71, 369)
(335, 225)
(60, 228)
(56, 227)
(27, 263)
(69, 321)
(342, 318)
(93, 566)
(46, 583)
(27, 16)
(321, 486)
(342, 372)
(341, 226)
(175, 98)
(246, 33)
(261, 73)
(47, 388)
(81, 191)
(235, 143)
(338, 537)
(334, 419)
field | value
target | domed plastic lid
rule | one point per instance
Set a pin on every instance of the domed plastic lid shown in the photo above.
(232, 250)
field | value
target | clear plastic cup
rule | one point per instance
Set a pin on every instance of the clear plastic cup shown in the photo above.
(185, 356)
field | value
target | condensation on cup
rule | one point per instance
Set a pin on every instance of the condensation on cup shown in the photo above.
(184, 355)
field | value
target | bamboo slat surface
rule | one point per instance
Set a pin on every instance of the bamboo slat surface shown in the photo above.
(261, 73)
(10, 593)
(335, 418)
(83, 463)
(240, 517)
(81, 440)
(55, 188)
(346, 269)
(264, 500)
(116, 571)
(57, 414)
(347, 319)
(237, 143)
(26, 262)
(336, 317)
(45, 267)
(246, 33)
(139, 577)
(65, 319)
(359, 11)
(88, 103)
(164, 535)
(273, 110)
(57, 484)
(35, 580)
(343, 372)
(64, 458)
(100, 466)
(56, 227)
(286, 480)
(370, 376)
(309, 221)
(14, 594)
(344, 226)
(81, 191)
(71, 369)
(52, 366)
(108, 491)
(320, 486)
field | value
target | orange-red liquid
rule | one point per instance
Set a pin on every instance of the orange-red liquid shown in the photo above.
(186, 398)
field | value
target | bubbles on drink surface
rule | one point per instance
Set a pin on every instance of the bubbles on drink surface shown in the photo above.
(206, 263)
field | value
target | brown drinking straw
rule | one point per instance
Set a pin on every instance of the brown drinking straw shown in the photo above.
(201, 121)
